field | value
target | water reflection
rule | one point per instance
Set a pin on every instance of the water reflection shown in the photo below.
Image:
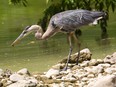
(102, 42)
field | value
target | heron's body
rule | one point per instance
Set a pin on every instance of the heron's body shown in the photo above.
(73, 19)
(67, 21)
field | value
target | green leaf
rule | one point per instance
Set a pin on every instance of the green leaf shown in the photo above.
(113, 6)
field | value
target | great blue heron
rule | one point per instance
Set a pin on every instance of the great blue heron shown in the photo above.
(67, 21)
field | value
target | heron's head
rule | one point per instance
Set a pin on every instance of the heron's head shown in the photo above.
(26, 32)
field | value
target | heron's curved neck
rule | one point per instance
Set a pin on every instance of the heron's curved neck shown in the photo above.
(39, 33)
(49, 32)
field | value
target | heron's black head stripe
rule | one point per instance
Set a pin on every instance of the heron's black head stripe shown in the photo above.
(27, 27)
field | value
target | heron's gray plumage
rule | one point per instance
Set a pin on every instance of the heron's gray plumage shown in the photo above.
(67, 21)
(72, 19)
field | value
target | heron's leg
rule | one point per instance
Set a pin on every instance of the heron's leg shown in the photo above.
(79, 45)
(70, 51)
(78, 56)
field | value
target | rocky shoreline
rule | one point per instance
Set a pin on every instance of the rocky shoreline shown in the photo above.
(89, 73)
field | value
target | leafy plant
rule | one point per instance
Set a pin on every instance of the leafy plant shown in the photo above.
(24, 2)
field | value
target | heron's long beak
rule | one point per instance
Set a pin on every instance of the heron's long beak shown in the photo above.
(20, 37)
(17, 40)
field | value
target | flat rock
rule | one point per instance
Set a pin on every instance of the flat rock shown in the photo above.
(16, 77)
(85, 54)
(110, 58)
(52, 72)
(23, 71)
(105, 81)
(27, 82)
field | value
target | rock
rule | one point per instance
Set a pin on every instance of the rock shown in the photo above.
(110, 70)
(7, 73)
(106, 81)
(16, 77)
(26, 82)
(55, 85)
(104, 65)
(93, 62)
(84, 79)
(81, 75)
(23, 71)
(94, 69)
(98, 69)
(91, 76)
(9, 82)
(62, 84)
(1, 84)
(110, 58)
(100, 61)
(93, 73)
(88, 69)
(52, 72)
(18, 84)
(84, 63)
(85, 54)
(29, 81)
(69, 77)
(4, 81)
(1, 72)
(75, 67)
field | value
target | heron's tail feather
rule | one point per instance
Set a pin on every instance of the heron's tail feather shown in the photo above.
(97, 15)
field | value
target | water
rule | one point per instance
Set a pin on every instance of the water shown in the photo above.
(41, 55)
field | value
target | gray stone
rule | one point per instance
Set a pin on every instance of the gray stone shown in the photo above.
(18, 84)
(84, 79)
(93, 62)
(100, 61)
(27, 82)
(7, 73)
(23, 71)
(16, 77)
(52, 72)
(84, 63)
(97, 69)
(9, 82)
(1, 72)
(85, 54)
(104, 65)
(55, 85)
(110, 58)
(106, 81)
(110, 70)
(91, 76)
(69, 77)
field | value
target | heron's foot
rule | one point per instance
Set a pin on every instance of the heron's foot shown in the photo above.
(77, 63)
(64, 69)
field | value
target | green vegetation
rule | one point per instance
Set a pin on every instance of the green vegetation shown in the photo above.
(40, 55)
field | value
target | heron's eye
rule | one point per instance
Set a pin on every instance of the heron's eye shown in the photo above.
(53, 24)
